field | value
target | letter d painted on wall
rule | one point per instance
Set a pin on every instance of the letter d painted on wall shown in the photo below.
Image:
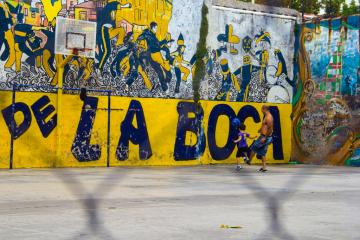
(19, 129)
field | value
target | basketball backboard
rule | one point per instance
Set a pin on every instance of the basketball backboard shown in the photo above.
(75, 36)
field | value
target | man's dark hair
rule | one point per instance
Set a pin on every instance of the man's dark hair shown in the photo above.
(266, 107)
(152, 25)
(242, 127)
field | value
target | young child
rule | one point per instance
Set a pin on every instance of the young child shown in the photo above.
(243, 148)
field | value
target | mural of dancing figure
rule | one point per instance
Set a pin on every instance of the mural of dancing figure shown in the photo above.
(160, 65)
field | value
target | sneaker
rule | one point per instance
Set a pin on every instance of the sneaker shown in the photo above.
(247, 161)
(238, 167)
(262, 170)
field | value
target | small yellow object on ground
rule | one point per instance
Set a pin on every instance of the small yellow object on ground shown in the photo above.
(227, 226)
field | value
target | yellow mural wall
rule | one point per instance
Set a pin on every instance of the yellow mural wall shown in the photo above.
(32, 149)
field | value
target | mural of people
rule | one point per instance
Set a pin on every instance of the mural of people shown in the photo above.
(160, 65)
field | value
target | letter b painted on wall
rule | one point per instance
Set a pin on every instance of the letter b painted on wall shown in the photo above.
(189, 124)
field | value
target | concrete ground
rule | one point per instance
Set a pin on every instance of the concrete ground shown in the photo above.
(182, 203)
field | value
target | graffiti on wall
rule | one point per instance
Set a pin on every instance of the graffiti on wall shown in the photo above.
(147, 49)
(328, 114)
(140, 132)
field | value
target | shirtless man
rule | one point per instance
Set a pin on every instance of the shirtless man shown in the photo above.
(260, 146)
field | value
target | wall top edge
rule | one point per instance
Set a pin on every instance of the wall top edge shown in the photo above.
(256, 8)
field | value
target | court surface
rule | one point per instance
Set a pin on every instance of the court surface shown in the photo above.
(182, 203)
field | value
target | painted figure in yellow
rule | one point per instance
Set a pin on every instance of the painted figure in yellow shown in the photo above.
(29, 40)
(263, 40)
(159, 64)
(246, 73)
(227, 80)
(107, 30)
(6, 34)
(179, 63)
(85, 66)
(281, 67)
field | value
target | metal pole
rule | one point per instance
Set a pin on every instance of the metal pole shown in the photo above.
(59, 111)
(12, 126)
(60, 69)
(108, 135)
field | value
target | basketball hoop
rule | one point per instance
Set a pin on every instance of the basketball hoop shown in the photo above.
(75, 37)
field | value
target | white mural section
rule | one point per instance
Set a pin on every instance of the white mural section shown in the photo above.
(250, 56)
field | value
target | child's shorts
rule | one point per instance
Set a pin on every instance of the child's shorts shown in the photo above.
(242, 150)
